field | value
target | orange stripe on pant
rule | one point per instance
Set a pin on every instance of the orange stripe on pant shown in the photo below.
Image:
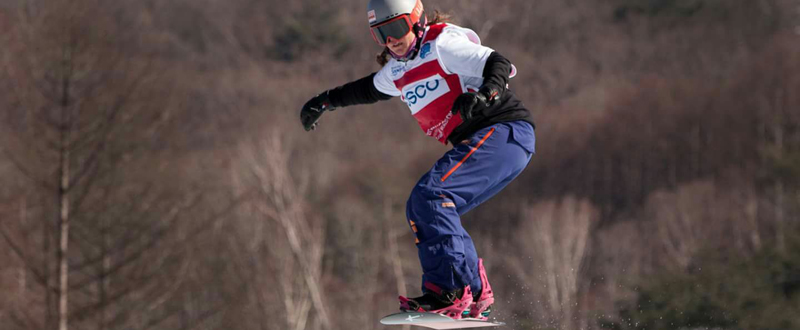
(480, 143)
(414, 228)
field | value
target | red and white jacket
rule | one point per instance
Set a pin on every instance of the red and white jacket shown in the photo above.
(450, 62)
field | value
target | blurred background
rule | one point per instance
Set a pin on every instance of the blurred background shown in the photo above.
(154, 173)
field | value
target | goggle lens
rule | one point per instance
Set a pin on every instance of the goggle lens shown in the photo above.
(396, 28)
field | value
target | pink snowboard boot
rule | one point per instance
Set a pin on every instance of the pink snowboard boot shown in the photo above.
(482, 305)
(453, 304)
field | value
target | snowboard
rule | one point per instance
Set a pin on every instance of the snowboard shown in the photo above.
(435, 321)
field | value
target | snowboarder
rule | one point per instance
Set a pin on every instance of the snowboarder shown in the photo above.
(458, 91)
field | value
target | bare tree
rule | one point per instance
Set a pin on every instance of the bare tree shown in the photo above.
(74, 122)
(700, 215)
(395, 258)
(679, 220)
(556, 239)
(281, 202)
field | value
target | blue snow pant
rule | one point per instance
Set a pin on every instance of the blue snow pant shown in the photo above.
(466, 176)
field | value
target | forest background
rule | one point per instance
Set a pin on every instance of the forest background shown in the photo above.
(154, 173)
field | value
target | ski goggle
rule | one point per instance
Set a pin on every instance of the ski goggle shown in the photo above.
(396, 28)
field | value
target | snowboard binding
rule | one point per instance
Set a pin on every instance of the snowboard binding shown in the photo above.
(482, 305)
(453, 304)
(456, 304)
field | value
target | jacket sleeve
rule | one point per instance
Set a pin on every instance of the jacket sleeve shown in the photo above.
(361, 91)
(497, 71)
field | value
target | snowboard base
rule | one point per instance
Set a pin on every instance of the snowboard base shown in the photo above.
(435, 321)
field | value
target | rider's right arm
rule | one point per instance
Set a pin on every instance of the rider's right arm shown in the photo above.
(361, 91)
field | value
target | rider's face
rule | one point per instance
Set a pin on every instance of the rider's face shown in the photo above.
(400, 46)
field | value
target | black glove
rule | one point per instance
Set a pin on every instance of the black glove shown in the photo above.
(313, 109)
(470, 103)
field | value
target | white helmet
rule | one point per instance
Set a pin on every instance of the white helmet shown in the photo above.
(395, 19)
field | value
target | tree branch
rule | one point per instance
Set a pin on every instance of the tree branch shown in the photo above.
(21, 255)
(41, 183)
